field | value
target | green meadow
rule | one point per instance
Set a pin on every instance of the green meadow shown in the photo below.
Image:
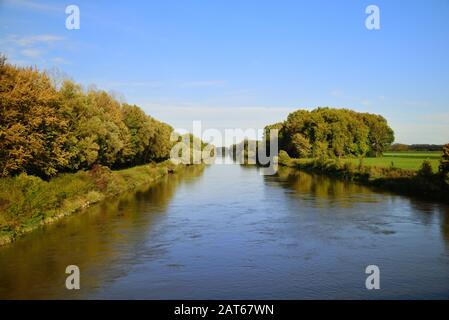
(411, 160)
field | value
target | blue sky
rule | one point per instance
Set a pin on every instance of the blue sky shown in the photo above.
(248, 63)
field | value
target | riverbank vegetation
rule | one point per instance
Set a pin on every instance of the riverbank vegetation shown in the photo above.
(423, 182)
(27, 202)
(401, 147)
(328, 132)
(352, 145)
(45, 130)
(403, 160)
(63, 148)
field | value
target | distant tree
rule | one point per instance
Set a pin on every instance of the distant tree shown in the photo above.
(444, 162)
(426, 169)
(426, 147)
(2, 60)
(334, 132)
(399, 147)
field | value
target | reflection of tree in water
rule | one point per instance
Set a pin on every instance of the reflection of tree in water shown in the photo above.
(322, 187)
(444, 222)
(339, 192)
(107, 234)
(427, 212)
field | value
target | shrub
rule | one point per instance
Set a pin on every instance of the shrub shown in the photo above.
(426, 169)
(284, 158)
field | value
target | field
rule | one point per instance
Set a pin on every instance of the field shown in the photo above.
(405, 160)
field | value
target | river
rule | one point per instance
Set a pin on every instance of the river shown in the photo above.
(228, 232)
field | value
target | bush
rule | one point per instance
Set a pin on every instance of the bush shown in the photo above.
(27, 201)
(426, 169)
(284, 158)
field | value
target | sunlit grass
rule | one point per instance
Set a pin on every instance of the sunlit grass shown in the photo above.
(403, 160)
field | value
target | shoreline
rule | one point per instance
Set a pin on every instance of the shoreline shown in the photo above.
(67, 194)
(397, 180)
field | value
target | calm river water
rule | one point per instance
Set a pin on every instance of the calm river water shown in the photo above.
(227, 232)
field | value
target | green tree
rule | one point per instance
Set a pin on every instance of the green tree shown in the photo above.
(301, 145)
(444, 162)
(426, 169)
(334, 132)
(380, 136)
(142, 131)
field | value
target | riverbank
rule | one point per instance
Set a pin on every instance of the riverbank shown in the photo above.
(420, 183)
(27, 202)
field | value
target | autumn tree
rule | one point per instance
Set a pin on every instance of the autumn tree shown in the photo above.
(48, 127)
(33, 130)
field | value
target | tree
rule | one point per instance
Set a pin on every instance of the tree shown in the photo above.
(444, 162)
(399, 147)
(334, 132)
(47, 127)
(33, 130)
(425, 170)
(301, 145)
(142, 132)
(380, 136)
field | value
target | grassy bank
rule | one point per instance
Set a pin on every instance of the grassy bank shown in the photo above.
(27, 202)
(403, 160)
(422, 183)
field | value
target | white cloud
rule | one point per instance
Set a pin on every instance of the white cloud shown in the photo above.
(336, 93)
(59, 60)
(217, 117)
(32, 5)
(31, 53)
(34, 40)
(31, 49)
(365, 102)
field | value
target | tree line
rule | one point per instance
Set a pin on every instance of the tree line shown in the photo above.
(329, 132)
(415, 147)
(45, 129)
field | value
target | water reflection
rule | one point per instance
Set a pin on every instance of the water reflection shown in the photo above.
(329, 192)
(107, 234)
(231, 233)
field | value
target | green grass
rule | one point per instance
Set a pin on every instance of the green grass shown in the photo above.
(403, 160)
(402, 177)
(28, 201)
